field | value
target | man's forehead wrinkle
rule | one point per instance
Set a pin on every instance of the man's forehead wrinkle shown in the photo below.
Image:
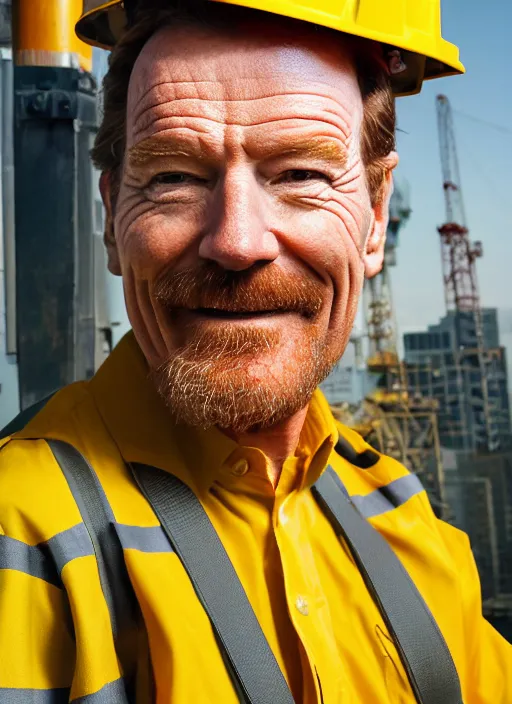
(165, 124)
(221, 91)
(199, 113)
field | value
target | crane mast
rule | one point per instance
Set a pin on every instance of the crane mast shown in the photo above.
(459, 257)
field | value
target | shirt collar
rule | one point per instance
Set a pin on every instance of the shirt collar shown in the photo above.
(145, 432)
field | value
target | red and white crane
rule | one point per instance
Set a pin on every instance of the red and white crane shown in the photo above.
(459, 257)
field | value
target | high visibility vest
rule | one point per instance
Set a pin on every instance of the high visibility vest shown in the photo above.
(246, 653)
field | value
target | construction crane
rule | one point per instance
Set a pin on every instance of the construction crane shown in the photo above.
(395, 417)
(459, 257)
(383, 356)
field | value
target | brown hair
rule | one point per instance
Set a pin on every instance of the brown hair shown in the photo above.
(379, 119)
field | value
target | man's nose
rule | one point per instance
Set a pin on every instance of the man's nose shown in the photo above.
(239, 236)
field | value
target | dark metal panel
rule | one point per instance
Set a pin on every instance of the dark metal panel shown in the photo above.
(8, 200)
(85, 293)
(52, 106)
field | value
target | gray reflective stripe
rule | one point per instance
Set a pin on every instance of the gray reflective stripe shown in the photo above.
(99, 519)
(388, 497)
(46, 560)
(34, 696)
(30, 559)
(70, 544)
(112, 693)
(144, 539)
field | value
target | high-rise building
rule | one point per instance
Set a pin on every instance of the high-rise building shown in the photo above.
(478, 488)
(470, 496)
(439, 357)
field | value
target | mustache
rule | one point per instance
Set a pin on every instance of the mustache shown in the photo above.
(258, 289)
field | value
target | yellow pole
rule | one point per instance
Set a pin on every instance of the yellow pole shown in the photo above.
(44, 34)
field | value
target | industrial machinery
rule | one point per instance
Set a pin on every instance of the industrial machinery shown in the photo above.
(53, 250)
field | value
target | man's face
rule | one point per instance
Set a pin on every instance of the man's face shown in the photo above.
(243, 224)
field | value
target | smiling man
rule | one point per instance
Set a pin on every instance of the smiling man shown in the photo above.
(243, 223)
(192, 525)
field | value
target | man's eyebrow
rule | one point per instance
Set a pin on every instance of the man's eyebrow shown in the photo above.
(321, 149)
(155, 147)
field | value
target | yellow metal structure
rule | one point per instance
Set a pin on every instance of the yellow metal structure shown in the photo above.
(43, 34)
(413, 26)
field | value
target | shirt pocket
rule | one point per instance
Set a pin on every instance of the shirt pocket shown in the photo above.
(397, 684)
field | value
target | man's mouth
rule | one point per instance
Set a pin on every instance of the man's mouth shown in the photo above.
(222, 313)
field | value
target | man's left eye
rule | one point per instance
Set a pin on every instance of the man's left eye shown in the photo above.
(302, 175)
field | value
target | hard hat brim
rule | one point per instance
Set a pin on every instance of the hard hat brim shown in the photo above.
(104, 24)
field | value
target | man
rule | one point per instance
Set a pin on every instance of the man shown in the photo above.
(246, 166)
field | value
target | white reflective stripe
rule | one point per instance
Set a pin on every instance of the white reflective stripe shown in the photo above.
(152, 539)
(387, 498)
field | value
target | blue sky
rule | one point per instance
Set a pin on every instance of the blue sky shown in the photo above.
(482, 31)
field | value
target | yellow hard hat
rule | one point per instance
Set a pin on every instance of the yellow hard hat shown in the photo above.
(411, 27)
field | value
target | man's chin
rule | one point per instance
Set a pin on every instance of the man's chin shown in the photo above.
(246, 392)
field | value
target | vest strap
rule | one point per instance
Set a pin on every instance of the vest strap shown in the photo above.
(420, 644)
(247, 653)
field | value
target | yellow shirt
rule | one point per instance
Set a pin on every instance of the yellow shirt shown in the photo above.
(309, 597)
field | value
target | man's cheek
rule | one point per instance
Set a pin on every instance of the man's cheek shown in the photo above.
(146, 243)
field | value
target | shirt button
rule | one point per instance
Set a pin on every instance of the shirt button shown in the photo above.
(240, 468)
(301, 605)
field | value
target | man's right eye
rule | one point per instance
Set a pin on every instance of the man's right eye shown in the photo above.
(173, 178)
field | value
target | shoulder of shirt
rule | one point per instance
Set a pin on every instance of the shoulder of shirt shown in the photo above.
(31, 482)
(368, 463)
(55, 415)
(367, 473)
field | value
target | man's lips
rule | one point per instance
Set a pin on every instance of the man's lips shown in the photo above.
(225, 314)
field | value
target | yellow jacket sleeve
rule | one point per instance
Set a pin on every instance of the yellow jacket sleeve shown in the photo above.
(488, 654)
(37, 650)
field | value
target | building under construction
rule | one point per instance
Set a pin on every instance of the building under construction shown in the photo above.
(438, 354)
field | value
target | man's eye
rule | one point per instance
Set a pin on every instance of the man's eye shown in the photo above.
(174, 178)
(302, 175)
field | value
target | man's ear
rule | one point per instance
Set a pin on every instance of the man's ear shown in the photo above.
(114, 265)
(375, 243)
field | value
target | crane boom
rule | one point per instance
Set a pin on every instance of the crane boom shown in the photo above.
(459, 257)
